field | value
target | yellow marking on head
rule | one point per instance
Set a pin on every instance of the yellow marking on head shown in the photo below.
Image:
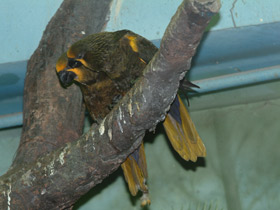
(70, 54)
(61, 62)
(60, 66)
(132, 42)
(83, 62)
(79, 74)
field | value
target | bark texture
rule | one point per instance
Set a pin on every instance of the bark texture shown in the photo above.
(54, 115)
(58, 178)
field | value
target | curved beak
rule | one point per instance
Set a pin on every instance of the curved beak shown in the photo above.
(66, 77)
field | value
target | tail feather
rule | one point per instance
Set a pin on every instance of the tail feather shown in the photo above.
(182, 132)
(135, 171)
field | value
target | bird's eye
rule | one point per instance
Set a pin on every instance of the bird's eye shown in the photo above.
(80, 56)
(74, 63)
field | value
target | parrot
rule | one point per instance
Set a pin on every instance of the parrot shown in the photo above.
(106, 65)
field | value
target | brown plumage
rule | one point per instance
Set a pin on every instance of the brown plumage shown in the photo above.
(106, 65)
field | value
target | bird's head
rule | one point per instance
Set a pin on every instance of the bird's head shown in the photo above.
(82, 51)
(86, 58)
(71, 69)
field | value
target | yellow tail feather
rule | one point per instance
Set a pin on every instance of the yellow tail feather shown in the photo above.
(184, 138)
(136, 173)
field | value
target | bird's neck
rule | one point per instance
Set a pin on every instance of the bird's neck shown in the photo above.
(100, 98)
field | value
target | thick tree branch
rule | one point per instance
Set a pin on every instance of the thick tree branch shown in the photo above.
(57, 180)
(54, 115)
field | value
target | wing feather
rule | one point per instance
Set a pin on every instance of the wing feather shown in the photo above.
(182, 133)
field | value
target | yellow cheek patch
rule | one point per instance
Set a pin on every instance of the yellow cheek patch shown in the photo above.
(61, 63)
(132, 42)
(79, 74)
(70, 54)
(59, 67)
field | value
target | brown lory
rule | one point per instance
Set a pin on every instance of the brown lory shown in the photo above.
(106, 65)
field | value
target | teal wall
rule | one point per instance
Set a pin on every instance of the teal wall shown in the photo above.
(22, 25)
(144, 18)
(23, 22)
(240, 126)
